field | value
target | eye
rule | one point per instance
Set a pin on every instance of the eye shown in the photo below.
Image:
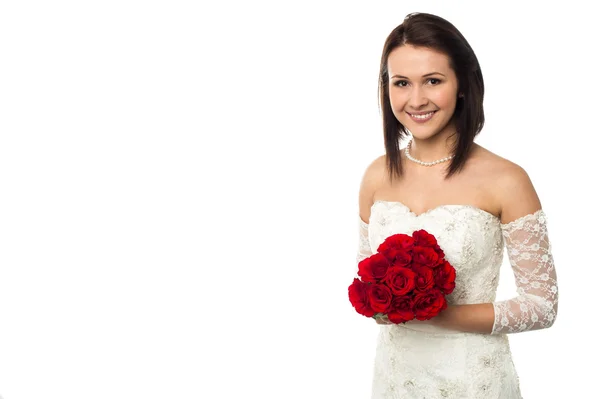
(401, 83)
(434, 81)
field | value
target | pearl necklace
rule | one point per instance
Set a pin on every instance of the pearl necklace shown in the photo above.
(407, 153)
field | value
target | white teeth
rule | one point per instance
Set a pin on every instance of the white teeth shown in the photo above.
(424, 116)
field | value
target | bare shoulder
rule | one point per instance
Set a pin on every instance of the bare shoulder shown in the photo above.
(372, 179)
(511, 185)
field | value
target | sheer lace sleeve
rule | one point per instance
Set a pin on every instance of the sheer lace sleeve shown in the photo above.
(364, 247)
(529, 252)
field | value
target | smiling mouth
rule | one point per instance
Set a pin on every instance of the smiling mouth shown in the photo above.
(422, 116)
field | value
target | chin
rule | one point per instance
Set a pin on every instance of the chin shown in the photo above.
(422, 134)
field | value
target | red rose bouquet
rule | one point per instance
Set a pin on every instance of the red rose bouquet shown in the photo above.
(407, 278)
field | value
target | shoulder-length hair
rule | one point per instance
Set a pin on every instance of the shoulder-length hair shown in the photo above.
(433, 32)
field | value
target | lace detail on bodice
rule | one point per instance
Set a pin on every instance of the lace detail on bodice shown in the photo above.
(530, 256)
(473, 241)
(470, 237)
(364, 248)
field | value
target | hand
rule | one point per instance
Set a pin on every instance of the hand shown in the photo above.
(383, 320)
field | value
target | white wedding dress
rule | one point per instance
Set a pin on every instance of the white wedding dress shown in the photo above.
(421, 360)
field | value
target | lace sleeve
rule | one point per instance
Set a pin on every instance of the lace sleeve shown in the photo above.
(529, 252)
(364, 247)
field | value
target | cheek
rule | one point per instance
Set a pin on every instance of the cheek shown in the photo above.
(397, 97)
(445, 99)
(398, 102)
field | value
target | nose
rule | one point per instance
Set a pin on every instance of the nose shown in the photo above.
(417, 98)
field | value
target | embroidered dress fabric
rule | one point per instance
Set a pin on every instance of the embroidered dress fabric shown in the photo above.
(420, 360)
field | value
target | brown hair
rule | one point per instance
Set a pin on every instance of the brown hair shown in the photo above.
(433, 32)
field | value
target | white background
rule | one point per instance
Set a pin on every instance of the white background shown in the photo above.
(179, 190)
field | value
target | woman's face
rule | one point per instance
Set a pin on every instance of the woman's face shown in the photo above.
(423, 90)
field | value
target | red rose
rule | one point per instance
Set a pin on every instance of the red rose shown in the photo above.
(429, 304)
(401, 258)
(425, 278)
(373, 268)
(357, 292)
(424, 239)
(445, 278)
(425, 256)
(440, 253)
(401, 310)
(380, 297)
(401, 280)
(394, 244)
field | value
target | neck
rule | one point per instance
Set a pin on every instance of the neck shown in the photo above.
(432, 149)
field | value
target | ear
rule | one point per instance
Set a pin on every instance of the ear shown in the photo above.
(460, 95)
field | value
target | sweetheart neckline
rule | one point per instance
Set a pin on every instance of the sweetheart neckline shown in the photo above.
(537, 215)
(484, 212)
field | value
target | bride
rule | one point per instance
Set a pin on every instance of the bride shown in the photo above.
(475, 202)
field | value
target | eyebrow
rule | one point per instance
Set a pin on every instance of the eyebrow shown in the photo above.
(426, 75)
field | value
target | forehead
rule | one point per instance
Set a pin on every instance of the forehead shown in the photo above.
(412, 61)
